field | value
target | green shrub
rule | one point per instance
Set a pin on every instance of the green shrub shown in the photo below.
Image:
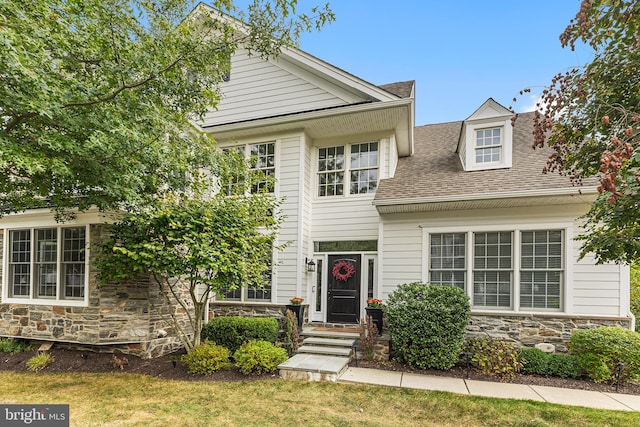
(427, 324)
(232, 331)
(39, 362)
(207, 358)
(257, 357)
(534, 361)
(635, 294)
(563, 366)
(494, 357)
(13, 346)
(599, 351)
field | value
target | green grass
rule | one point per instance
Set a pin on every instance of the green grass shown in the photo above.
(135, 400)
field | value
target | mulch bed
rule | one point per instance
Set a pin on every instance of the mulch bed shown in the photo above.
(164, 367)
(86, 361)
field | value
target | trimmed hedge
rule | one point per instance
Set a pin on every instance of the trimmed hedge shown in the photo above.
(563, 366)
(534, 361)
(427, 324)
(231, 331)
(207, 358)
(599, 351)
(257, 357)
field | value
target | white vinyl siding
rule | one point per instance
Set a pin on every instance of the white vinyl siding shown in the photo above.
(586, 289)
(260, 88)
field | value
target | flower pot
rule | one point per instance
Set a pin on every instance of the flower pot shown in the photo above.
(376, 316)
(298, 310)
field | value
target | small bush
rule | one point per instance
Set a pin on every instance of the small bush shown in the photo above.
(13, 346)
(494, 357)
(232, 331)
(39, 362)
(534, 361)
(599, 351)
(257, 357)
(427, 324)
(207, 358)
(563, 366)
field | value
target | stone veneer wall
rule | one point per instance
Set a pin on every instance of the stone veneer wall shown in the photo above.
(529, 330)
(132, 318)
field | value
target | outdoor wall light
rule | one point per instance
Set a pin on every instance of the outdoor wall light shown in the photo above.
(311, 265)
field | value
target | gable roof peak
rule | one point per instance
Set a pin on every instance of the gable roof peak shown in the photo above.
(490, 109)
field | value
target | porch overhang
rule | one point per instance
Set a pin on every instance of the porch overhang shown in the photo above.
(369, 118)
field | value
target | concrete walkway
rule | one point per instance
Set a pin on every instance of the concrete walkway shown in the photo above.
(590, 399)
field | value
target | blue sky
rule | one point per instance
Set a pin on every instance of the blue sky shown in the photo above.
(459, 52)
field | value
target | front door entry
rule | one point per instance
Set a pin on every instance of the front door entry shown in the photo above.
(343, 288)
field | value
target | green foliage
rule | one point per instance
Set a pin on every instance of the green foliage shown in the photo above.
(207, 358)
(590, 117)
(635, 294)
(563, 366)
(533, 361)
(427, 323)
(494, 357)
(13, 346)
(232, 331)
(257, 357)
(96, 96)
(599, 351)
(39, 362)
(196, 240)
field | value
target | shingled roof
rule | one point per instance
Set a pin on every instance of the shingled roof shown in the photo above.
(435, 173)
(400, 89)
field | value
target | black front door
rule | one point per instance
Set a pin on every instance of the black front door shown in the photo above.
(343, 288)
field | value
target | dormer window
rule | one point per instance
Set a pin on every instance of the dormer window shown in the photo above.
(486, 138)
(488, 145)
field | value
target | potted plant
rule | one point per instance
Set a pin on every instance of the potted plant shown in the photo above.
(374, 310)
(295, 305)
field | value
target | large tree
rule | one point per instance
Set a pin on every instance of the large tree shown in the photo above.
(97, 97)
(208, 240)
(590, 116)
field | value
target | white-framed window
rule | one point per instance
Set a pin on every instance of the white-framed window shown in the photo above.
(360, 174)
(488, 146)
(252, 293)
(447, 259)
(541, 269)
(492, 269)
(46, 265)
(261, 157)
(492, 265)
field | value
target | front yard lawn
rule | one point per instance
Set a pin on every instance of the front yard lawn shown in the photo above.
(117, 399)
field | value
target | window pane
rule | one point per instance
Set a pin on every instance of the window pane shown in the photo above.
(447, 259)
(364, 168)
(73, 262)
(492, 277)
(541, 269)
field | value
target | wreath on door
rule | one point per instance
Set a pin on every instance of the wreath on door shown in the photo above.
(343, 270)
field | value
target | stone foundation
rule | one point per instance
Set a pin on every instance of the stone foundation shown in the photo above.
(529, 330)
(131, 318)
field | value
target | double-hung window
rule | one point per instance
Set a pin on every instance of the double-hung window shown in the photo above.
(492, 266)
(359, 174)
(492, 269)
(262, 160)
(447, 259)
(488, 147)
(46, 264)
(541, 269)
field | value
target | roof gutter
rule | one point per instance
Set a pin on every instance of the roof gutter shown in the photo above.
(487, 196)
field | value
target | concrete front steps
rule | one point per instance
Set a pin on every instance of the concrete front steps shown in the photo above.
(323, 356)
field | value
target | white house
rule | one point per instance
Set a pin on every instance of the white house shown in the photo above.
(371, 201)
